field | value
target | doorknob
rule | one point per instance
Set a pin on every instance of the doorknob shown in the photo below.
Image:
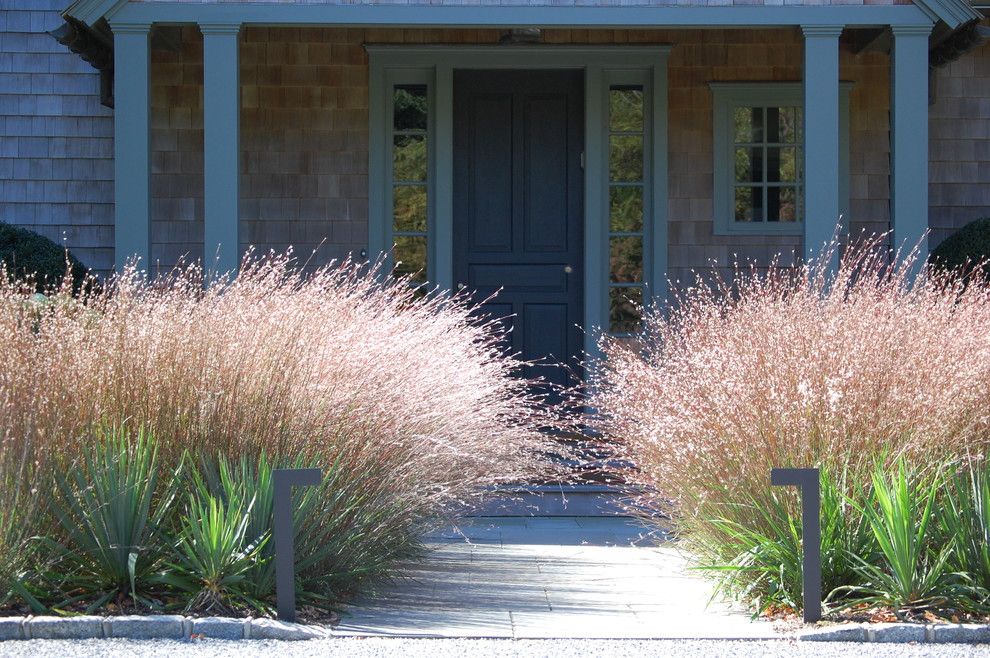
(461, 285)
(568, 269)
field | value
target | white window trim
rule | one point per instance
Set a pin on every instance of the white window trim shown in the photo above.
(726, 96)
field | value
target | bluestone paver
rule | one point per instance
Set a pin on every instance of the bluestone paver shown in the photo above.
(549, 578)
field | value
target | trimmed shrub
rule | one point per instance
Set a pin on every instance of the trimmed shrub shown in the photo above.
(29, 256)
(795, 367)
(967, 249)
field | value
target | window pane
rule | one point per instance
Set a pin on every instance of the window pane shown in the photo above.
(625, 109)
(783, 124)
(781, 164)
(749, 204)
(625, 159)
(625, 309)
(409, 207)
(749, 165)
(749, 124)
(409, 107)
(626, 209)
(625, 259)
(409, 253)
(782, 204)
(409, 158)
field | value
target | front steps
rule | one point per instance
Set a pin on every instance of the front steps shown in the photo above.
(554, 500)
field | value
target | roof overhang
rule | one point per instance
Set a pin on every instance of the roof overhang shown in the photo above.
(954, 13)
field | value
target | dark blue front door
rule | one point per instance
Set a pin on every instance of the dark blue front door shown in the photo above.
(518, 206)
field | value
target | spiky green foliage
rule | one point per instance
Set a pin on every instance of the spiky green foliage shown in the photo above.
(964, 520)
(216, 553)
(913, 571)
(112, 516)
(762, 563)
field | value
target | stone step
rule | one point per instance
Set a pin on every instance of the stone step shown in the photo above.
(554, 500)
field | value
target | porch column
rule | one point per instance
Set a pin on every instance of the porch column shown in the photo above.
(131, 144)
(821, 136)
(221, 143)
(909, 142)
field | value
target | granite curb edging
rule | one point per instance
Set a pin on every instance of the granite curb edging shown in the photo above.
(902, 633)
(156, 627)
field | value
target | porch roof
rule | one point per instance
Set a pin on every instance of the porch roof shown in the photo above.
(507, 13)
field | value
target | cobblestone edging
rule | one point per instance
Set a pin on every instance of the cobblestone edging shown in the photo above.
(899, 632)
(147, 627)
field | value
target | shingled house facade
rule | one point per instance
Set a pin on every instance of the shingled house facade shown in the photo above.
(575, 153)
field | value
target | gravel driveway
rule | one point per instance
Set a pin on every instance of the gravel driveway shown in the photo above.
(379, 647)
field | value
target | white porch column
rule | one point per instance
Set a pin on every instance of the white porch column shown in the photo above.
(821, 136)
(132, 144)
(221, 157)
(909, 142)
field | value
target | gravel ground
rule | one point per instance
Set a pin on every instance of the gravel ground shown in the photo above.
(378, 647)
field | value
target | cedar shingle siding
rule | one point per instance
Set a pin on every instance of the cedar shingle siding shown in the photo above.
(56, 140)
(959, 144)
(305, 136)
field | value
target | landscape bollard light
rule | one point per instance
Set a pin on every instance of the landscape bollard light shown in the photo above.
(283, 479)
(806, 479)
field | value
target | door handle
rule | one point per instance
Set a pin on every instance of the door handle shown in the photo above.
(461, 285)
(568, 269)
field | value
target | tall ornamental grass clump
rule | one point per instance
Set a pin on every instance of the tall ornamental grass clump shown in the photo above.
(407, 402)
(849, 371)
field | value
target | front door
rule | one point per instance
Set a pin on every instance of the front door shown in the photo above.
(518, 207)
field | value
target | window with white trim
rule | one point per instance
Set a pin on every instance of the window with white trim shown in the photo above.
(759, 157)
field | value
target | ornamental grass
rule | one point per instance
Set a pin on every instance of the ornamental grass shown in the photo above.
(854, 371)
(407, 402)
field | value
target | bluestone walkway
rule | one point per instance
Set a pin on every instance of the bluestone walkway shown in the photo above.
(570, 577)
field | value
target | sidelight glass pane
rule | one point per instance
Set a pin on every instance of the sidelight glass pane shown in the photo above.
(625, 257)
(409, 107)
(782, 204)
(409, 208)
(409, 255)
(625, 309)
(781, 164)
(625, 158)
(625, 109)
(749, 204)
(748, 125)
(749, 165)
(783, 125)
(625, 209)
(409, 158)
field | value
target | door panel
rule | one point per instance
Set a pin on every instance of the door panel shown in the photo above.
(518, 206)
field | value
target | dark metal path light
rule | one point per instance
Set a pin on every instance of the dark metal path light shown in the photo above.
(283, 479)
(811, 533)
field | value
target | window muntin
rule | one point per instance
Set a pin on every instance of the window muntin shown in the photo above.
(626, 193)
(410, 190)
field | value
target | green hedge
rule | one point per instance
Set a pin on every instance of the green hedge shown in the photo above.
(968, 246)
(27, 254)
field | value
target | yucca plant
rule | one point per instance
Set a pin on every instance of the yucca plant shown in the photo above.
(757, 553)
(913, 571)
(965, 521)
(112, 515)
(215, 553)
(349, 529)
